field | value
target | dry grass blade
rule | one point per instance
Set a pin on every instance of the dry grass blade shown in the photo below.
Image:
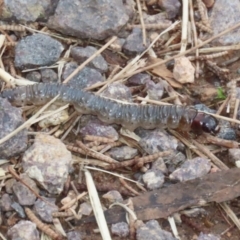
(184, 26)
(97, 207)
(98, 139)
(142, 22)
(230, 214)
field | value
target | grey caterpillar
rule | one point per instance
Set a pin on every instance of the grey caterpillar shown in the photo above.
(130, 116)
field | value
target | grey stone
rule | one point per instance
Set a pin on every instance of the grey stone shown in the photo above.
(34, 76)
(85, 78)
(49, 162)
(10, 119)
(44, 210)
(134, 42)
(152, 230)
(49, 75)
(123, 153)
(81, 54)
(96, 19)
(27, 10)
(120, 229)
(153, 179)
(23, 230)
(37, 50)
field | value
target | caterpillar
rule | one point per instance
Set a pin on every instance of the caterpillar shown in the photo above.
(110, 111)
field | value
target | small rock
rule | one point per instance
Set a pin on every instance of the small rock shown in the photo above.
(173, 160)
(81, 54)
(44, 210)
(120, 229)
(55, 119)
(99, 129)
(23, 230)
(117, 91)
(74, 235)
(123, 153)
(24, 195)
(117, 45)
(153, 179)
(19, 209)
(28, 10)
(9, 184)
(159, 164)
(153, 141)
(6, 202)
(10, 119)
(34, 76)
(85, 209)
(134, 42)
(113, 196)
(155, 90)
(228, 14)
(172, 7)
(152, 230)
(48, 75)
(234, 156)
(37, 50)
(85, 78)
(209, 236)
(139, 79)
(191, 169)
(95, 19)
(183, 70)
(48, 161)
(159, 18)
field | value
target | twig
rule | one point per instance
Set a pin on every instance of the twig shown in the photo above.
(142, 23)
(127, 186)
(184, 26)
(98, 139)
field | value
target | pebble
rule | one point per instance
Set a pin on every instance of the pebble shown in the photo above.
(97, 128)
(157, 140)
(172, 7)
(45, 210)
(10, 119)
(85, 78)
(153, 179)
(155, 90)
(139, 79)
(19, 209)
(6, 202)
(117, 91)
(113, 196)
(123, 153)
(208, 236)
(34, 76)
(23, 230)
(120, 229)
(80, 54)
(27, 10)
(48, 75)
(8, 185)
(183, 70)
(74, 235)
(134, 43)
(160, 165)
(37, 50)
(95, 19)
(227, 13)
(234, 156)
(152, 230)
(24, 195)
(48, 161)
(85, 209)
(191, 169)
(159, 19)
